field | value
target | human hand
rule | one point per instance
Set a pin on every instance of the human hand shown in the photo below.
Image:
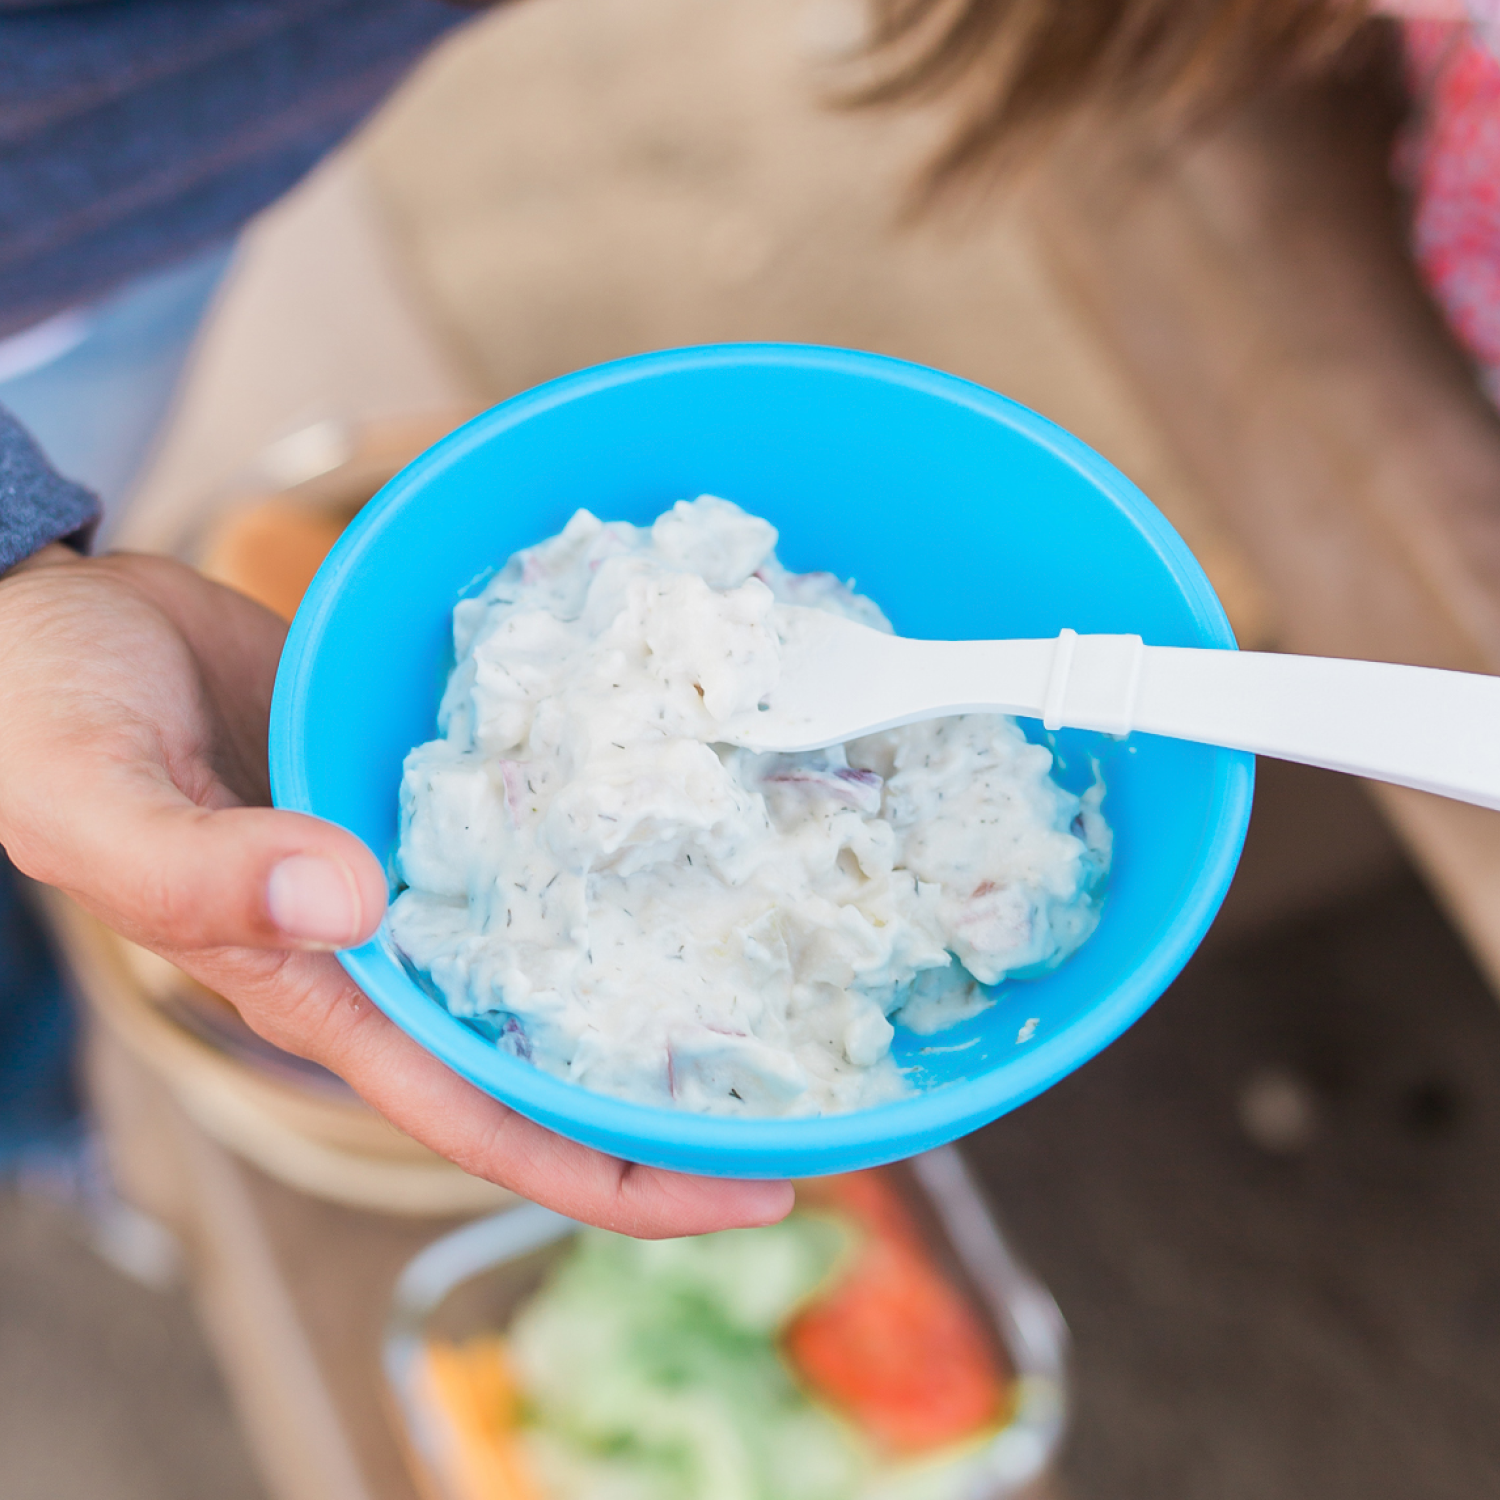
(133, 777)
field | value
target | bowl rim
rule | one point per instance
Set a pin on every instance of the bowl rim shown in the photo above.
(804, 1145)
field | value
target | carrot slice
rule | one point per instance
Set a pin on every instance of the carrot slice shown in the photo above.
(473, 1387)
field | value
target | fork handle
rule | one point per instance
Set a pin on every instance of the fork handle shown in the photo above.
(1421, 727)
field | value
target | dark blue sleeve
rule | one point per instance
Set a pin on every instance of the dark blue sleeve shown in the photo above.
(37, 505)
(136, 132)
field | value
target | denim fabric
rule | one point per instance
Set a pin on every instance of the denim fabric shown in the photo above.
(135, 132)
(37, 506)
(38, 1094)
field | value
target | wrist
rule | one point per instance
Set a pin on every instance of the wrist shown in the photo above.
(48, 556)
(45, 557)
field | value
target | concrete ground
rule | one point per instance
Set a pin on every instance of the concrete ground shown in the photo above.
(107, 1390)
(1270, 1215)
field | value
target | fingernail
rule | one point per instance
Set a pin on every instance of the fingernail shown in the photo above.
(314, 899)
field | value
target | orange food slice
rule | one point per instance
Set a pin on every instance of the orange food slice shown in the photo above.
(473, 1387)
(894, 1346)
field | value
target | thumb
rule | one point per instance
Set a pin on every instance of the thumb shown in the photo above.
(169, 873)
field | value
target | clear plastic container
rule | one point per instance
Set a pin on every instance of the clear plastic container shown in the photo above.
(471, 1283)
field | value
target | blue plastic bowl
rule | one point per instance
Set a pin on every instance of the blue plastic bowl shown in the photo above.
(961, 513)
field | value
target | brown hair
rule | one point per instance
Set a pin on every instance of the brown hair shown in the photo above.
(1017, 70)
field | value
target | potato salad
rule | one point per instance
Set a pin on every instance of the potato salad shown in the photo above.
(626, 902)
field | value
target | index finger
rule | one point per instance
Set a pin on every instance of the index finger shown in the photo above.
(307, 1004)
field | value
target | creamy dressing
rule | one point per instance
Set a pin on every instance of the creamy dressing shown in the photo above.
(661, 917)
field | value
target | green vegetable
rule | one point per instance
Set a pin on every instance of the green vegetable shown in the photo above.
(651, 1371)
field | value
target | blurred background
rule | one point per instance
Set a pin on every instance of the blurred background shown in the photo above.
(1270, 1214)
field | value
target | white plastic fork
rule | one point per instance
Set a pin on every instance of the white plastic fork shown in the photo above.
(1420, 727)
